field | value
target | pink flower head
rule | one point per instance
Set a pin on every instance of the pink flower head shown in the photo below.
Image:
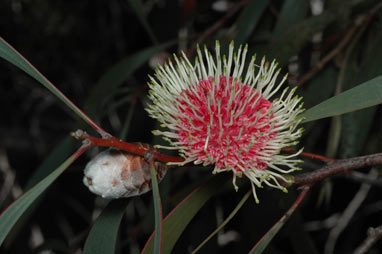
(219, 112)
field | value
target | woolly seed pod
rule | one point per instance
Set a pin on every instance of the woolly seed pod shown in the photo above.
(117, 174)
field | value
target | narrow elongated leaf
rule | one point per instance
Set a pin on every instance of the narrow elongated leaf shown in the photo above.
(175, 223)
(103, 235)
(362, 96)
(137, 7)
(11, 215)
(249, 19)
(266, 239)
(11, 55)
(112, 79)
(62, 151)
(157, 212)
(356, 125)
(221, 226)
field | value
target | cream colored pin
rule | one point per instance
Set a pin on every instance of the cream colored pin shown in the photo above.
(117, 174)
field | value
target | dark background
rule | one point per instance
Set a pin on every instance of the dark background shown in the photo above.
(74, 43)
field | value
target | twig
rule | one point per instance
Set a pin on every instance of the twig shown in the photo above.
(324, 224)
(373, 235)
(311, 155)
(138, 149)
(273, 231)
(338, 167)
(320, 64)
(364, 178)
(158, 214)
(361, 21)
(215, 27)
(348, 214)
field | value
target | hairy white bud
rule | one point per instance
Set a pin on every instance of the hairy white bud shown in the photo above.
(116, 174)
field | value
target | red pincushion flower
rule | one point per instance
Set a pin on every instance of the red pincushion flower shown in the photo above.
(216, 117)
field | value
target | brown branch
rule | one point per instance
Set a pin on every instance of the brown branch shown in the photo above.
(320, 64)
(338, 167)
(302, 179)
(373, 235)
(138, 148)
(268, 236)
(310, 155)
(361, 21)
(347, 215)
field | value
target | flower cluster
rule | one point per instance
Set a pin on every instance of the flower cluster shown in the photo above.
(219, 112)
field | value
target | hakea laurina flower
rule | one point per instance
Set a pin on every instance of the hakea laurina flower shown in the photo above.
(220, 112)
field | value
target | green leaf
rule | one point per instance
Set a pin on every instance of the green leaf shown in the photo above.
(175, 223)
(11, 55)
(52, 161)
(221, 226)
(316, 90)
(137, 7)
(12, 214)
(249, 19)
(267, 238)
(62, 151)
(103, 235)
(362, 96)
(346, 76)
(157, 212)
(292, 12)
(356, 125)
(112, 79)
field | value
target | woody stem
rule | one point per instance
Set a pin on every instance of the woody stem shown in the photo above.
(129, 147)
(338, 167)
